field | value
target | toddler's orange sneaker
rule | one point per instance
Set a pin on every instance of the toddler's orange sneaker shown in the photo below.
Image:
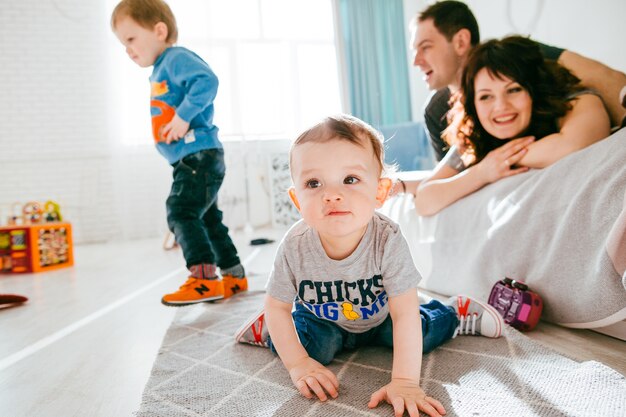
(194, 291)
(234, 285)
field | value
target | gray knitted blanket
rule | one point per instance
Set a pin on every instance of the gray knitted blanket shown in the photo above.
(561, 229)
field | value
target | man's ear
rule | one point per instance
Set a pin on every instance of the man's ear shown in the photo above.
(161, 31)
(294, 199)
(462, 42)
(384, 186)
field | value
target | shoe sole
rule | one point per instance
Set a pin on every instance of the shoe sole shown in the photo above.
(239, 333)
(187, 303)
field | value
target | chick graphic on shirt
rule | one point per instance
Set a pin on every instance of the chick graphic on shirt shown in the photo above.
(348, 311)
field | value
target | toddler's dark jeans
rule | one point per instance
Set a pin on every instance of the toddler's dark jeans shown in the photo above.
(192, 212)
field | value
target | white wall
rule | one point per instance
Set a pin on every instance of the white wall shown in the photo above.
(595, 29)
(58, 133)
(58, 130)
(53, 141)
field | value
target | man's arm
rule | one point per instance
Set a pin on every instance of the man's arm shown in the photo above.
(436, 122)
(605, 80)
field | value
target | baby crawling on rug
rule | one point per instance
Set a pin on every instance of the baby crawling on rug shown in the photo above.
(351, 274)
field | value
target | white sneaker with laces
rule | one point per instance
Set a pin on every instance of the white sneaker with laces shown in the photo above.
(254, 331)
(476, 317)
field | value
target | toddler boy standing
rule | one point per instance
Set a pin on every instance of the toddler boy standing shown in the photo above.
(183, 89)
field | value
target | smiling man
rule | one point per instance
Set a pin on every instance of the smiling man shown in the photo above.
(444, 34)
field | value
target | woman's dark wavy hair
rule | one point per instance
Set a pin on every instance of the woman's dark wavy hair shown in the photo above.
(518, 58)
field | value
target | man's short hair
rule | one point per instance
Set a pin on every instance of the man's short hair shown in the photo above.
(451, 16)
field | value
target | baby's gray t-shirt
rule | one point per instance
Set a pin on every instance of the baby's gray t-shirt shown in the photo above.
(351, 292)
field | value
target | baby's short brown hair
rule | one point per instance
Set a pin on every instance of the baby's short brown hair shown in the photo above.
(147, 13)
(347, 127)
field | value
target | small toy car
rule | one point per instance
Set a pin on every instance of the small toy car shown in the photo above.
(519, 306)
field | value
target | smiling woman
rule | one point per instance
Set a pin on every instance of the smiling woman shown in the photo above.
(517, 111)
(503, 106)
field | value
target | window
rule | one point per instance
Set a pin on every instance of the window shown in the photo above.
(275, 60)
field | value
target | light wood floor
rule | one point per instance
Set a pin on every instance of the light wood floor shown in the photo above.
(85, 342)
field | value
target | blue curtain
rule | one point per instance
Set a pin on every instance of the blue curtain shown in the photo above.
(375, 47)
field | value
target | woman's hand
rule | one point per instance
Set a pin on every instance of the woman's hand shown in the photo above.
(501, 162)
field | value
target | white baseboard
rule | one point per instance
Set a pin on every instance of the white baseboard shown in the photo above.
(616, 330)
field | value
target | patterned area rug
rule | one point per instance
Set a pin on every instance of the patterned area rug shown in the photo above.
(201, 371)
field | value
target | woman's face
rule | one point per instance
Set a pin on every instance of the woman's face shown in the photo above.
(503, 106)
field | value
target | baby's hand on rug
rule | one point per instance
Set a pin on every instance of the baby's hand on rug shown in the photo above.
(406, 394)
(310, 375)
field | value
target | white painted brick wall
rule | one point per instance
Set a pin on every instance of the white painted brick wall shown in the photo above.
(53, 141)
(57, 140)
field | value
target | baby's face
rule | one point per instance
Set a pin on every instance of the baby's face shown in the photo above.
(336, 184)
(143, 45)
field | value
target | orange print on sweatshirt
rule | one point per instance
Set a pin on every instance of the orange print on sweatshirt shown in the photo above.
(166, 112)
(160, 120)
(158, 89)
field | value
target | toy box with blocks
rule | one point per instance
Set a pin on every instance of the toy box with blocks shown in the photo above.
(35, 247)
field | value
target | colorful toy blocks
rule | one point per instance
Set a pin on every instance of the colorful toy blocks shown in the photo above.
(35, 247)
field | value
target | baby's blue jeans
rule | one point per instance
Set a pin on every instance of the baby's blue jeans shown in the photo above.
(323, 339)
